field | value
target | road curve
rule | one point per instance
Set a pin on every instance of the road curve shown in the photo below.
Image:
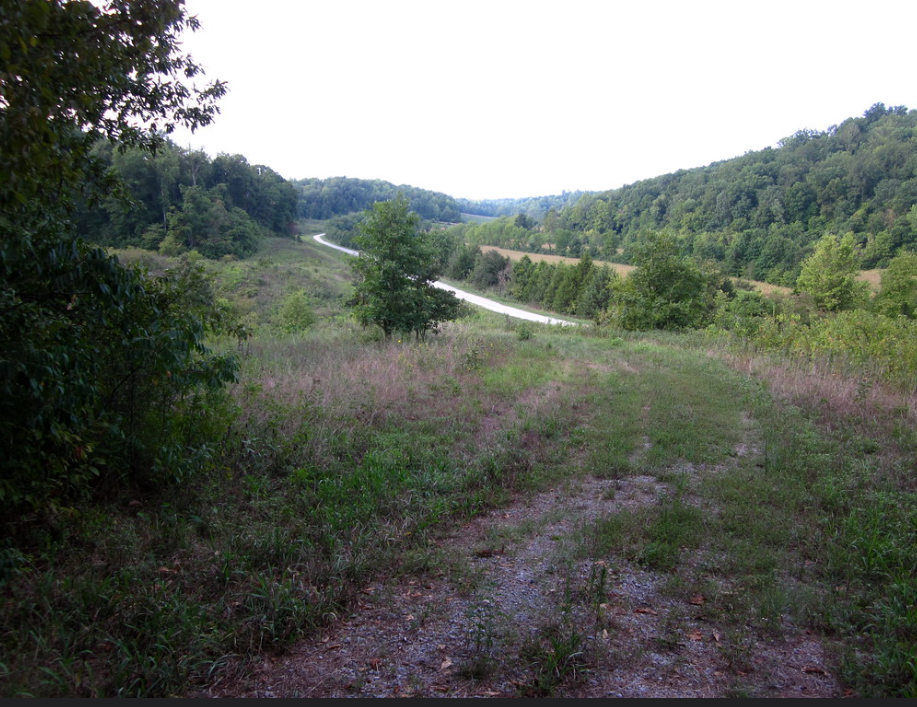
(476, 300)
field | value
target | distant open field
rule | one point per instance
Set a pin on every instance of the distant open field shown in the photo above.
(476, 218)
(538, 257)
(622, 270)
(765, 287)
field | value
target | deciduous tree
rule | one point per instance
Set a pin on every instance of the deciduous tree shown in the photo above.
(898, 296)
(90, 351)
(829, 274)
(666, 291)
(395, 273)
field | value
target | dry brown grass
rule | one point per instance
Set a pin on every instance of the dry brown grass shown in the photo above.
(622, 270)
(841, 400)
(328, 387)
(554, 259)
(766, 287)
(873, 277)
(387, 372)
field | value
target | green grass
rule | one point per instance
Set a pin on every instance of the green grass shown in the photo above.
(345, 460)
(781, 501)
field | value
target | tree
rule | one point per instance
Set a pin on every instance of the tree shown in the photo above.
(666, 291)
(594, 300)
(97, 360)
(488, 269)
(205, 224)
(72, 73)
(898, 295)
(396, 271)
(829, 274)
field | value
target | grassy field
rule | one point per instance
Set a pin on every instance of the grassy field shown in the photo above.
(622, 270)
(784, 495)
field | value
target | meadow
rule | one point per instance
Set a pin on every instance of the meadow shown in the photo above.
(778, 502)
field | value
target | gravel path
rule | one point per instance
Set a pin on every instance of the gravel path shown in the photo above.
(478, 626)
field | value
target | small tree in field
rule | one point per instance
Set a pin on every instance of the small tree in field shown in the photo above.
(666, 291)
(829, 275)
(395, 273)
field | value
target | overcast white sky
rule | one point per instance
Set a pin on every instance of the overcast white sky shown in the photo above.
(506, 98)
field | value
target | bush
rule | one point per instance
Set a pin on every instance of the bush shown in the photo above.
(102, 385)
(296, 313)
(857, 337)
(666, 291)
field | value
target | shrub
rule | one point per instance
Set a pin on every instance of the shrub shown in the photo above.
(296, 313)
(101, 385)
(666, 291)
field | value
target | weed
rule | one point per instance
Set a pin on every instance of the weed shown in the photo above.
(736, 648)
(481, 638)
(554, 656)
(597, 590)
(473, 357)
(676, 525)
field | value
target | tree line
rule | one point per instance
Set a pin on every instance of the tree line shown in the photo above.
(759, 215)
(106, 377)
(830, 310)
(671, 290)
(341, 196)
(762, 213)
(177, 200)
(535, 207)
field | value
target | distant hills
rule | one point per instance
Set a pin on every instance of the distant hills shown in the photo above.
(761, 212)
(757, 214)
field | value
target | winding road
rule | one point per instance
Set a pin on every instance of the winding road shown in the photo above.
(477, 300)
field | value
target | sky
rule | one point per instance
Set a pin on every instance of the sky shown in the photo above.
(509, 99)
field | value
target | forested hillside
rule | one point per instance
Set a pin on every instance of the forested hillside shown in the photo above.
(180, 199)
(340, 196)
(535, 207)
(760, 213)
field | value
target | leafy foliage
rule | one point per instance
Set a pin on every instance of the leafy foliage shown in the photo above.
(296, 313)
(666, 291)
(396, 270)
(760, 213)
(97, 361)
(532, 207)
(829, 275)
(867, 339)
(339, 196)
(898, 296)
(179, 200)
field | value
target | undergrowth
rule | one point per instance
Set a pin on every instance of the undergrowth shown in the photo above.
(343, 457)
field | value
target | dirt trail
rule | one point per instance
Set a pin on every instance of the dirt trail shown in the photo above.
(483, 626)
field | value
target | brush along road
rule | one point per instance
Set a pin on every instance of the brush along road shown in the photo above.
(476, 300)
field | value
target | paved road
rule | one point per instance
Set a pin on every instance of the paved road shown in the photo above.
(482, 302)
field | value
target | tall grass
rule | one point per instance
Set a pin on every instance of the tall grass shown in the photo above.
(345, 454)
(788, 479)
(846, 438)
